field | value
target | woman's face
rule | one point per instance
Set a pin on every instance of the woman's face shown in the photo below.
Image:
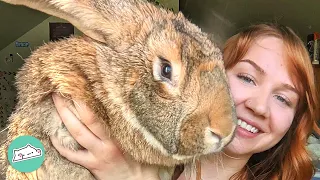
(264, 95)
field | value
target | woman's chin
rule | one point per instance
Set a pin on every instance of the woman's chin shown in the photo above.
(238, 148)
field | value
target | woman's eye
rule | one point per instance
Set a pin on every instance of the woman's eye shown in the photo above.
(166, 70)
(246, 78)
(283, 100)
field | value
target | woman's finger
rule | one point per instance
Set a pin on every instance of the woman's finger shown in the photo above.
(78, 130)
(88, 118)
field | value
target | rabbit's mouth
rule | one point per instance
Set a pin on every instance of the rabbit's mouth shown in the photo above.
(182, 157)
(213, 145)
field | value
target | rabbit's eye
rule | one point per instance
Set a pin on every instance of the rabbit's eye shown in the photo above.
(166, 70)
(162, 70)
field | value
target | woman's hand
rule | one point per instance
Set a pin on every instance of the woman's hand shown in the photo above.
(101, 156)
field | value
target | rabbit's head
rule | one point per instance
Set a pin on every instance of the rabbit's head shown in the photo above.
(163, 77)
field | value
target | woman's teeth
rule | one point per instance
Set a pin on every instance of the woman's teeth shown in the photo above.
(248, 127)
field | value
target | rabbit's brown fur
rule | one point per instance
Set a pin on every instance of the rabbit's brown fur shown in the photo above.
(114, 70)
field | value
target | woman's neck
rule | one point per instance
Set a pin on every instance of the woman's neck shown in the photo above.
(217, 167)
(222, 166)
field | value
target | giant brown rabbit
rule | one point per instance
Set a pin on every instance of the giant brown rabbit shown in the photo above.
(154, 79)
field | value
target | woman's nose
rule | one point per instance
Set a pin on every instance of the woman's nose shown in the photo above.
(258, 104)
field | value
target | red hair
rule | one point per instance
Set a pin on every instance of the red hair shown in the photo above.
(289, 159)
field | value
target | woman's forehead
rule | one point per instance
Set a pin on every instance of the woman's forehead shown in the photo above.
(268, 53)
(268, 45)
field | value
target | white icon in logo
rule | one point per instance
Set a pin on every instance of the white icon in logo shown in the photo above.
(25, 153)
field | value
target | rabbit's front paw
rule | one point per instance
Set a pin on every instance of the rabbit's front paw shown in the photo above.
(65, 139)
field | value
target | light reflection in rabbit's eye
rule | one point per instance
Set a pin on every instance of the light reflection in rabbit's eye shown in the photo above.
(166, 69)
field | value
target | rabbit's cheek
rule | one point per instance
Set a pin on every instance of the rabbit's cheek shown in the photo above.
(158, 118)
(191, 139)
(162, 91)
(161, 131)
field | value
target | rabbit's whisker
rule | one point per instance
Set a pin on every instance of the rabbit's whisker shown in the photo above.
(220, 160)
(4, 129)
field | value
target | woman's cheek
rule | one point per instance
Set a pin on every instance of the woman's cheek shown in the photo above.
(283, 121)
(237, 90)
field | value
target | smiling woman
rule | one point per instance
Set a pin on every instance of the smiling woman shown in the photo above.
(271, 80)
(263, 80)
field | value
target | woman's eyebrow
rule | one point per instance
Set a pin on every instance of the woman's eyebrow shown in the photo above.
(258, 68)
(288, 86)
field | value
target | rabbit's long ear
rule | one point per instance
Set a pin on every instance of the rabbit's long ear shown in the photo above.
(108, 21)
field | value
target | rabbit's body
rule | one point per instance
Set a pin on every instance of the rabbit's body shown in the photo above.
(121, 74)
(35, 114)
